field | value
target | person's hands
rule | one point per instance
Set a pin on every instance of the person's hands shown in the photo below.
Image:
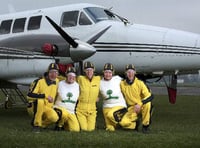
(50, 99)
(137, 108)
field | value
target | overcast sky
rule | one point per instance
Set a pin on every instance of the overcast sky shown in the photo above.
(177, 14)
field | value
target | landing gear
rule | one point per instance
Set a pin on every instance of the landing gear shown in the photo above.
(8, 103)
(13, 95)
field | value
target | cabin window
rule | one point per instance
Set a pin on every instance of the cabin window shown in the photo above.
(34, 22)
(19, 25)
(5, 26)
(69, 19)
(84, 20)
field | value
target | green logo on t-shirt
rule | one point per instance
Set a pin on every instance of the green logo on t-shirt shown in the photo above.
(69, 95)
(109, 93)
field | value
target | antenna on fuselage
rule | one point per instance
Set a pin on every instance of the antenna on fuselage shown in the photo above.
(110, 8)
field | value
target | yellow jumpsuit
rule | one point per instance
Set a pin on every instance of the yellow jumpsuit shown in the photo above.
(31, 108)
(137, 93)
(86, 107)
(44, 114)
(65, 105)
(113, 101)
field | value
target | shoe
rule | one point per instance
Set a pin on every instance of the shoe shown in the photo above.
(145, 129)
(110, 128)
(36, 129)
(118, 126)
(137, 125)
(32, 122)
(57, 128)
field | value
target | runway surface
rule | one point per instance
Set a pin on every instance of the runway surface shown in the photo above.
(180, 90)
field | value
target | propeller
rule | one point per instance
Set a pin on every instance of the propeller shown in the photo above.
(63, 33)
(75, 44)
(69, 39)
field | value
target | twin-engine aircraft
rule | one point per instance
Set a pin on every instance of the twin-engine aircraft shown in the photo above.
(72, 34)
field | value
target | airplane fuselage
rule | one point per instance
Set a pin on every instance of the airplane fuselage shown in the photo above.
(153, 50)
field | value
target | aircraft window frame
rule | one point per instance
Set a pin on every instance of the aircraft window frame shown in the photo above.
(98, 14)
(83, 19)
(19, 25)
(70, 18)
(5, 26)
(34, 22)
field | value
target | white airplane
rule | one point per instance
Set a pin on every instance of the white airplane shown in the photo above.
(30, 40)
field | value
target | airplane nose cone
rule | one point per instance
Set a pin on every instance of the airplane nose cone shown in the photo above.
(82, 52)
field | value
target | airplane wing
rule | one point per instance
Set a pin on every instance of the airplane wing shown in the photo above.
(12, 53)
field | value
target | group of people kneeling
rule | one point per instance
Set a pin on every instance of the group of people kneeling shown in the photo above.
(71, 103)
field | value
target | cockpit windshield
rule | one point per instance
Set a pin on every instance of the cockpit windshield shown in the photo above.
(99, 14)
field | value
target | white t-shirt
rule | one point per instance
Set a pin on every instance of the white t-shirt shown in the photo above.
(111, 92)
(67, 95)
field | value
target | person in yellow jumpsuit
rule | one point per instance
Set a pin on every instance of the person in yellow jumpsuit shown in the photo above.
(68, 93)
(114, 105)
(41, 96)
(89, 90)
(138, 97)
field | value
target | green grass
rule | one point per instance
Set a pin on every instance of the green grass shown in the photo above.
(173, 126)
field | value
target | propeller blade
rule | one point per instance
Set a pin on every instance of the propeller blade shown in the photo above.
(98, 35)
(69, 39)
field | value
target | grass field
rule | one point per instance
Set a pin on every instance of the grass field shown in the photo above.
(173, 126)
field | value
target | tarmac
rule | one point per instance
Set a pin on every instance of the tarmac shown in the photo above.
(191, 91)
